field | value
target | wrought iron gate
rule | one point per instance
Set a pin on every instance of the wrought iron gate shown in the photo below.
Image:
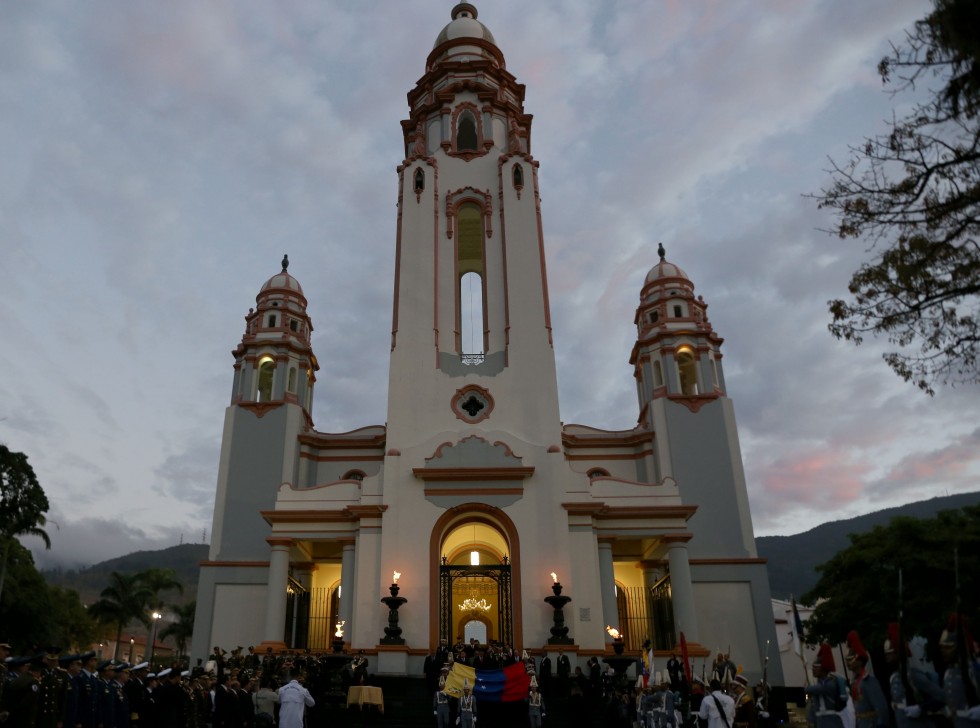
(500, 574)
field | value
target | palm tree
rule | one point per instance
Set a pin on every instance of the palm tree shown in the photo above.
(156, 581)
(182, 627)
(124, 600)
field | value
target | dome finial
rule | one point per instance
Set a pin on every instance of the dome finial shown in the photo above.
(285, 262)
(660, 251)
(468, 10)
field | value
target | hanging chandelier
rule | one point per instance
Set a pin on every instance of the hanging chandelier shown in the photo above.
(471, 604)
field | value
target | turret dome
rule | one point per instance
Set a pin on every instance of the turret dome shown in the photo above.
(282, 280)
(464, 25)
(664, 269)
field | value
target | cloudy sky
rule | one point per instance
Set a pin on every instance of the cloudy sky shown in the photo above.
(158, 158)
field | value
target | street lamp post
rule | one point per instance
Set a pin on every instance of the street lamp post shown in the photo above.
(153, 639)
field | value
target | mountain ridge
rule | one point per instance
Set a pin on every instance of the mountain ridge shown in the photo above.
(792, 560)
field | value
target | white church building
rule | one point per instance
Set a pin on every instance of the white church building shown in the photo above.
(474, 491)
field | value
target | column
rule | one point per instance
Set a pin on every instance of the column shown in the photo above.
(607, 585)
(347, 585)
(682, 591)
(275, 608)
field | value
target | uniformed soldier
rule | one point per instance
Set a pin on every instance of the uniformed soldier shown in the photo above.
(745, 713)
(440, 701)
(105, 705)
(535, 705)
(467, 707)
(86, 688)
(53, 691)
(827, 706)
(870, 706)
(962, 707)
(72, 664)
(135, 691)
(23, 692)
(120, 702)
(914, 693)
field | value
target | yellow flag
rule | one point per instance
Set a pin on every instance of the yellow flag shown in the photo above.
(455, 678)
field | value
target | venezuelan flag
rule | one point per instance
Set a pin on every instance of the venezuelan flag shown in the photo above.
(507, 685)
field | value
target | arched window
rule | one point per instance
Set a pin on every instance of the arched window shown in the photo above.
(598, 473)
(419, 180)
(658, 374)
(357, 475)
(469, 261)
(687, 371)
(518, 175)
(267, 371)
(466, 138)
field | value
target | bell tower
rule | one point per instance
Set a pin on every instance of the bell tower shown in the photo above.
(677, 364)
(471, 295)
(271, 405)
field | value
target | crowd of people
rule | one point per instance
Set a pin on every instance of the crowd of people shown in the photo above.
(53, 690)
(245, 690)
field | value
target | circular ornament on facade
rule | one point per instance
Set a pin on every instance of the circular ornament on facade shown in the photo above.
(472, 404)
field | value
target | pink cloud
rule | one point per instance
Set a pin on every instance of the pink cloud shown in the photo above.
(825, 480)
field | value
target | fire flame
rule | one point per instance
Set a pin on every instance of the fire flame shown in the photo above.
(554, 577)
(340, 629)
(396, 576)
(613, 632)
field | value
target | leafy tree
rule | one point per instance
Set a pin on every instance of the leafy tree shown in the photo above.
(914, 195)
(123, 601)
(25, 603)
(859, 587)
(182, 628)
(22, 505)
(69, 623)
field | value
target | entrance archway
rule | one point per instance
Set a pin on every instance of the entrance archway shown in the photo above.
(475, 557)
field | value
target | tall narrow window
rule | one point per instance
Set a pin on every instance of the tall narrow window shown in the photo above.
(267, 370)
(518, 176)
(687, 370)
(419, 180)
(291, 381)
(469, 262)
(466, 133)
(658, 374)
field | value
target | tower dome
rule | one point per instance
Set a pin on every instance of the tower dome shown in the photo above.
(464, 25)
(664, 269)
(282, 281)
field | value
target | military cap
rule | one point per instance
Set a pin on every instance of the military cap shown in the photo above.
(825, 658)
(165, 673)
(52, 653)
(104, 665)
(142, 666)
(855, 648)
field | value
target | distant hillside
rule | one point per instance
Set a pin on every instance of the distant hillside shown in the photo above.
(793, 559)
(89, 582)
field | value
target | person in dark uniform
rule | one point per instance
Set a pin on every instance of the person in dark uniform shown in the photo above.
(564, 671)
(72, 665)
(136, 694)
(86, 688)
(23, 694)
(120, 703)
(105, 715)
(53, 691)
(544, 676)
